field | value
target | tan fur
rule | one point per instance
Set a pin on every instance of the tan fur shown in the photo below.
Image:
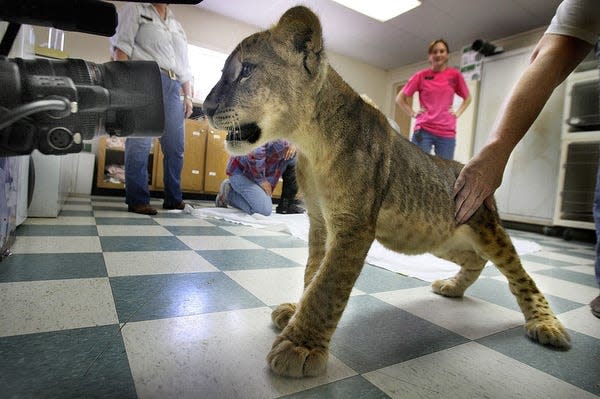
(361, 182)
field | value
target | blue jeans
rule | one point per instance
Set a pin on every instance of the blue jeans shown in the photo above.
(443, 146)
(171, 142)
(248, 196)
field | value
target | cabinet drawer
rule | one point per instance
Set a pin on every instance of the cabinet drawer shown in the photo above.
(216, 161)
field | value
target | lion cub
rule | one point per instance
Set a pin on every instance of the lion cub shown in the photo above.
(361, 181)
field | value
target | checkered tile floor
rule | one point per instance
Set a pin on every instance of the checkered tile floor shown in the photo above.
(104, 303)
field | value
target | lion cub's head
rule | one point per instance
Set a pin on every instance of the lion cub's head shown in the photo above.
(269, 82)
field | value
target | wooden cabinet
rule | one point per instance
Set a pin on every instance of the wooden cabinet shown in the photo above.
(111, 163)
(216, 160)
(204, 161)
(192, 175)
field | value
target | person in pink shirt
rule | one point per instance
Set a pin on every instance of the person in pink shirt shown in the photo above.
(435, 124)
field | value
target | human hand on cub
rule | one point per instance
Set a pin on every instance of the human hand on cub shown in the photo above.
(476, 184)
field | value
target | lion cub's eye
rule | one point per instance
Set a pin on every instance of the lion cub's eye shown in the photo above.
(247, 69)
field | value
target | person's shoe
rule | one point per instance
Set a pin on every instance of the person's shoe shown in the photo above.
(144, 209)
(179, 206)
(286, 207)
(595, 306)
(221, 198)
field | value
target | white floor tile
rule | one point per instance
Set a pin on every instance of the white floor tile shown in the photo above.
(217, 355)
(159, 262)
(85, 199)
(251, 231)
(39, 306)
(77, 207)
(132, 230)
(561, 288)
(531, 267)
(111, 204)
(217, 242)
(275, 286)
(182, 222)
(51, 244)
(62, 221)
(560, 256)
(118, 214)
(582, 320)
(298, 255)
(470, 371)
(585, 269)
(470, 317)
(272, 286)
(585, 251)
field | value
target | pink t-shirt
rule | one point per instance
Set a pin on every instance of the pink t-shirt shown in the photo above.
(436, 95)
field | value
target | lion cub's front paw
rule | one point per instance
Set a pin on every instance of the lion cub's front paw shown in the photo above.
(548, 332)
(290, 360)
(447, 287)
(282, 314)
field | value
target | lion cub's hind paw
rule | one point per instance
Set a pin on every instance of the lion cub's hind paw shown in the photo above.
(548, 332)
(290, 360)
(282, 314)
(447, 287)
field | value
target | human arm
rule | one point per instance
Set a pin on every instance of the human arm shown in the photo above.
(256, 168)
(290, 152)
(404, 103)
(119, 55)
(188, 106)
(126, 31)
(463, 106)
(552, 60)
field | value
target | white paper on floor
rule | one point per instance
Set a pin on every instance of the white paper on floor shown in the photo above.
(424, 267)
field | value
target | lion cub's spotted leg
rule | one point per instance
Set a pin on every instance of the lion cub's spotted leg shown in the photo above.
(540, 322)
(316, 252)
(471, 266)
(302, 347)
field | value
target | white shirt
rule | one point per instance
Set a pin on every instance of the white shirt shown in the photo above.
(143, 35)
(577, 18)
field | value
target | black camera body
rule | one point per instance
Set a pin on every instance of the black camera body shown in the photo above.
(53, 105)
(118, 98)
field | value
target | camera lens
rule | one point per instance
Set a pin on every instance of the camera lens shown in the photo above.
(88, 124)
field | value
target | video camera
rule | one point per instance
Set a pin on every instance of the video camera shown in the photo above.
(53, 105)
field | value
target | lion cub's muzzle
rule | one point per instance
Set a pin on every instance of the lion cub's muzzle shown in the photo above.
(228, 120)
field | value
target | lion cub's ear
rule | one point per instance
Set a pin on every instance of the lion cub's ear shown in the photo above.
(300, 31)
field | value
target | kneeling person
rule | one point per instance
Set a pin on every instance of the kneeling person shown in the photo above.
(253, 177)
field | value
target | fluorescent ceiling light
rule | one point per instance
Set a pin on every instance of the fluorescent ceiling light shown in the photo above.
(381, 10)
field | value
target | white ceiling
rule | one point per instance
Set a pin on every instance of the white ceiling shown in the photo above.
(402, 40)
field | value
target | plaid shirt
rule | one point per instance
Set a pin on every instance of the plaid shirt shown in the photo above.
(262, 164)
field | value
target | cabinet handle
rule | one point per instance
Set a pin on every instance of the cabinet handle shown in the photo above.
(195, 172)
(195, 133)
(217, 136)
(212, 173)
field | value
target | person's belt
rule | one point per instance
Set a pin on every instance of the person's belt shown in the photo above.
(172, 75)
